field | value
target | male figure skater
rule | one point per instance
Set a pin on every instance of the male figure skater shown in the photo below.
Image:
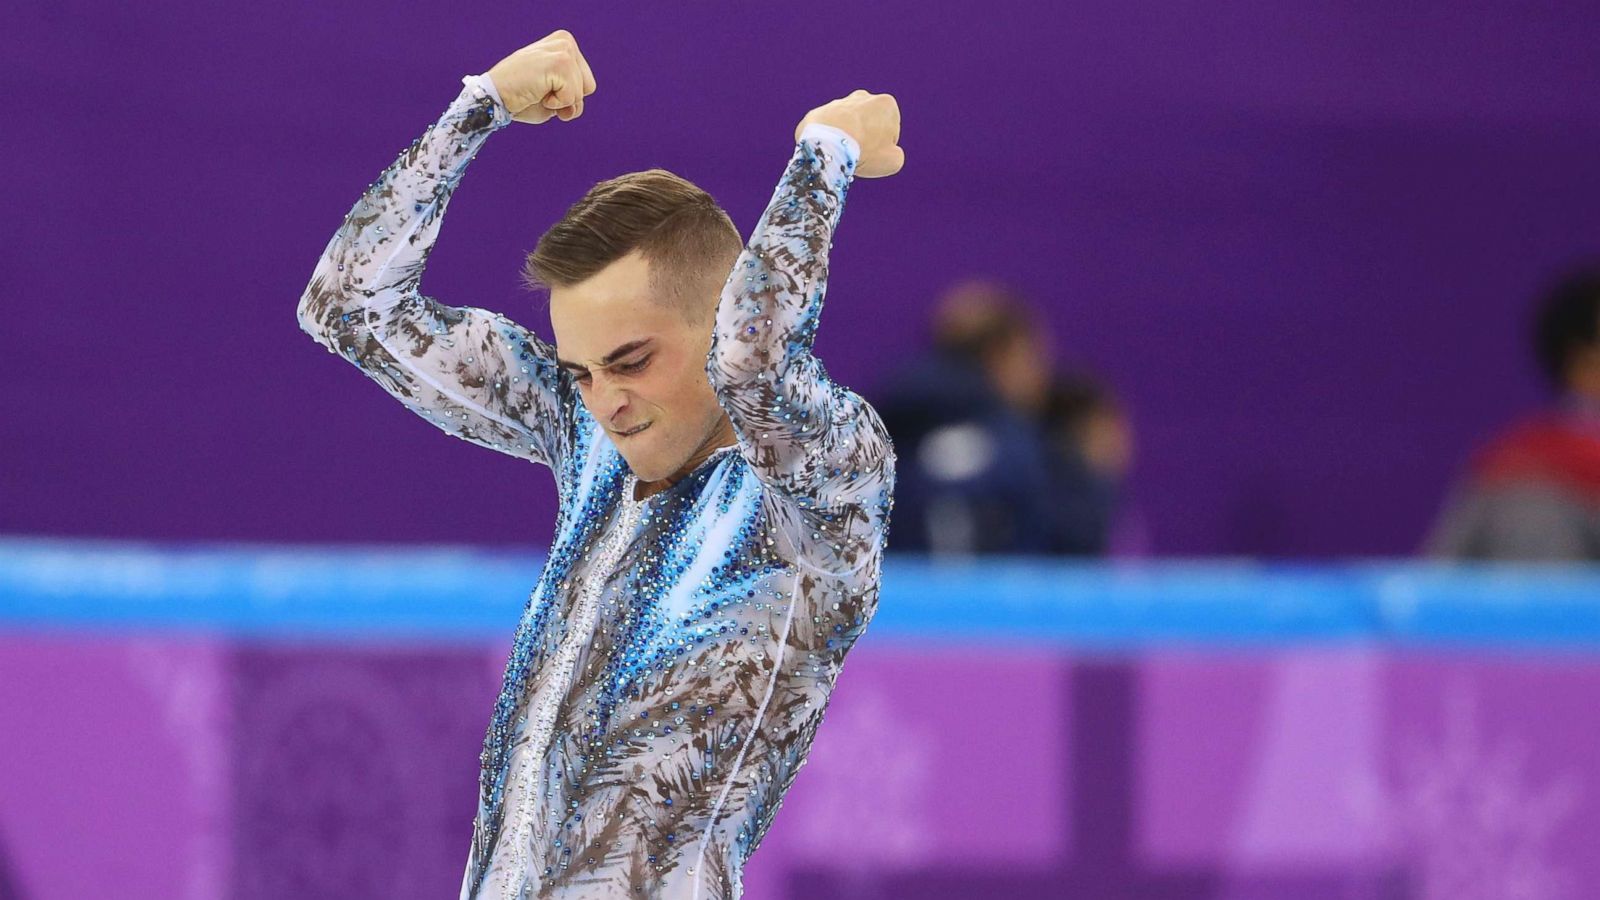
(723, 503)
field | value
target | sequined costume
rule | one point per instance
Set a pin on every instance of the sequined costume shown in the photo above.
(674, 660)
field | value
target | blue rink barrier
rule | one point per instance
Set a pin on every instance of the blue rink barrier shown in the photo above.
(465, 593)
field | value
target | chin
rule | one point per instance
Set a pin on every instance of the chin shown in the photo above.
(644, 470)
(653, 470)
(644, 475)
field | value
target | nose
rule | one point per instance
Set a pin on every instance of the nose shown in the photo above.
(608, 403)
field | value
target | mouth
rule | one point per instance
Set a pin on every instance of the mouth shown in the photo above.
(623, 434)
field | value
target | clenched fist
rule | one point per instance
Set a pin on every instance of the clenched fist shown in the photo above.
(873, 120)
(549, 77)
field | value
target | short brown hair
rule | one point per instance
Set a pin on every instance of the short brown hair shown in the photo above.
(690, 241)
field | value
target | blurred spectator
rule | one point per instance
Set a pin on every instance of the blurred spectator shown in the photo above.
(994, 457)
(1092, 450)
(1533, 492)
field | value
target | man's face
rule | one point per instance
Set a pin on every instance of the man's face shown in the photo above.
(1020, 370)
(657, 380)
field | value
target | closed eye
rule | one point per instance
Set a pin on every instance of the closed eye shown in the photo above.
(624, 368)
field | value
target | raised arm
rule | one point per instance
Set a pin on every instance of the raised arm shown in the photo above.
(818, 446)
(473, 373)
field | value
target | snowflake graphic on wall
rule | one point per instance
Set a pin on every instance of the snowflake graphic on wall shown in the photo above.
(869, 777)
(1466, 815)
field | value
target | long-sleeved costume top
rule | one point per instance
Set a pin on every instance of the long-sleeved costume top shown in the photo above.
(674, 660)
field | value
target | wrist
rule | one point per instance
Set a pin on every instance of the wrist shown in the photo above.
(833, 136)
(483, 88)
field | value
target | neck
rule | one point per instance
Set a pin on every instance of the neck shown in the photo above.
(721, 436)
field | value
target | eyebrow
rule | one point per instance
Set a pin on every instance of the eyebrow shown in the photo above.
(609, 358)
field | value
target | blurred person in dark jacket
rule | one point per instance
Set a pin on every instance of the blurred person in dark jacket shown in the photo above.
(994, 459)
(1533, 492)
(1091, 444)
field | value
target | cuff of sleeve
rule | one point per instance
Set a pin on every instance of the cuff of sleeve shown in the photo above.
(827, 134)
(483, 86)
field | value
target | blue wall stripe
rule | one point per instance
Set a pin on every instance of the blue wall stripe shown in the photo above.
(451, 593)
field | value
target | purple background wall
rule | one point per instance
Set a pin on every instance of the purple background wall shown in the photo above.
(1299, 240)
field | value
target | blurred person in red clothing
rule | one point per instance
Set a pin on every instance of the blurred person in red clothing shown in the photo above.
(1533, 492)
